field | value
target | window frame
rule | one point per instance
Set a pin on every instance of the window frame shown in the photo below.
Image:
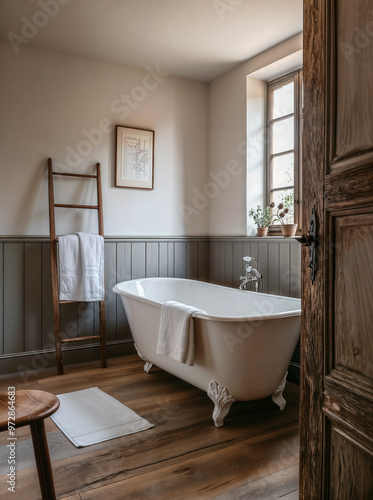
(296, 77)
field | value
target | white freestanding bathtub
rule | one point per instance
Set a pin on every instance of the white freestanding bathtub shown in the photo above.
(243, 342)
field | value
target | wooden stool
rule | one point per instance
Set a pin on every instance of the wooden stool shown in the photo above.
(32, 407)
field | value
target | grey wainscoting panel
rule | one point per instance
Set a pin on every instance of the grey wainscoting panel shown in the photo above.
(295, 270)
(192, 260)
(278, 262)
(138, 259)
(180, 256)
(26, 314)
(170, 259)
(228, 263)
(124, 273)
(272, 270)
(163, 258)
(203, 260)
(33, 291)
(14, 311)
(152, 264)
(237, 257)
(263, 262)
(110, 296)
(47, 327)
(214, 262)
(284, 266)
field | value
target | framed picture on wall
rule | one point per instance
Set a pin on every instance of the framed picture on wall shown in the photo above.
(134, 167)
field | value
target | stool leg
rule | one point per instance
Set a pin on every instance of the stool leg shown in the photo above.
(43, 463)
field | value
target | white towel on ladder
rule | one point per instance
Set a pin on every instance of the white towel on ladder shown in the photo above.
(176, 332)
(81, 267)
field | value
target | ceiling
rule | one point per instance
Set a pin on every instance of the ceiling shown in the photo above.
(197, 39)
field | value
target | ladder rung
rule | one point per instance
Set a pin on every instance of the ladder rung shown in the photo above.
(75, 339)
(64, 205)
(90, 176)
(74, 301)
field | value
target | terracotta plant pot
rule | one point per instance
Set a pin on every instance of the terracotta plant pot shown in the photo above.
(289, 229)
(262, 231)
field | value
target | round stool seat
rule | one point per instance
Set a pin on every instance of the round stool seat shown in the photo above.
(31, 406)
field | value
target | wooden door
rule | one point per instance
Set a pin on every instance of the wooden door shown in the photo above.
(336, 420)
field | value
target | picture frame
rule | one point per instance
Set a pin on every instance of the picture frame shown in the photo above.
(134, 166)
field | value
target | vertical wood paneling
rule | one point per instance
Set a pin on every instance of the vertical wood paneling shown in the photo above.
(69, 321)
(246, 249)
(273, 268)
(151, 269)
(192, 260)
(163, 258)
(246, 252)
(203, 261)
(295, 271)
(47, 328)
(1, 298)
(124, 256)
(26, 307)
(14, 298)
(279, 267)
(180, 259)
(33, 286)
(237, 264)
(110, 296)
(85, 318)
(228, 264)
(138, 260)
(263, 265)
(123, 274)
(284, 269)
(214, 261)
(254, 252)
(221, 268)
(171, 259)
(262, 269)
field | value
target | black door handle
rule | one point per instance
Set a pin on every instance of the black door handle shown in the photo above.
(310, 240)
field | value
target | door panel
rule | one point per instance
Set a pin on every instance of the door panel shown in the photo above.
(353, 311)
(336, 419)
(351, 26)
(353, 486)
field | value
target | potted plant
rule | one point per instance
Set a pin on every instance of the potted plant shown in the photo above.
(283, 215)
(262, 219)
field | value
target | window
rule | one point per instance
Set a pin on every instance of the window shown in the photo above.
(284, 155)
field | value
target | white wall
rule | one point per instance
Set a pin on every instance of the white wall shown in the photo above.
(237, 106)
(47, 100)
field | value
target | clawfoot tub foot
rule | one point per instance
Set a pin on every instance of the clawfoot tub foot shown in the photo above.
(277, 396)
(148, 365)
(222, 400)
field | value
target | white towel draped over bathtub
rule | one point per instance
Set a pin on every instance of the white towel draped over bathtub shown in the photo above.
(176, 332)
(81, 267)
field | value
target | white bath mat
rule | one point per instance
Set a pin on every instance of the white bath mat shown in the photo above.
(91, 416)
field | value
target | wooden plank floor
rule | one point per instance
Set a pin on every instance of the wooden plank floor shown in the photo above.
(254, 456)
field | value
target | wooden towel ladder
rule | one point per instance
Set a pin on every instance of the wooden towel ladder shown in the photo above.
(53, 248)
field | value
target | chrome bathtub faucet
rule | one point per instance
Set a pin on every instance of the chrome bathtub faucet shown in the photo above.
(252, 274)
